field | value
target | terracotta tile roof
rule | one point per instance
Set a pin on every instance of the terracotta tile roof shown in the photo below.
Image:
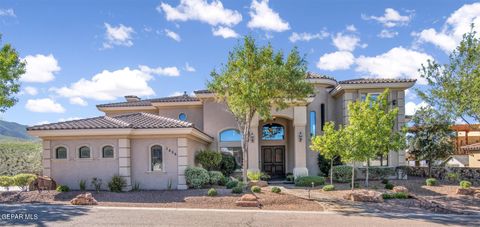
(132, 120)
(312, 75)
(471, 147)
(148, 102)
(202, 92)
(373, 81)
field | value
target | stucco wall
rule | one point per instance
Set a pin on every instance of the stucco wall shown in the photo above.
(71, 170)
(111, 113)
(193, 148)
(194, 114)
(474, 159)
(216, 118)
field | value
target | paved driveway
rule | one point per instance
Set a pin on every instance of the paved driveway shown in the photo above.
(61, 215)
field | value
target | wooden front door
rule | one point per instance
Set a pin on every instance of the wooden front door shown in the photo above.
(273, 161)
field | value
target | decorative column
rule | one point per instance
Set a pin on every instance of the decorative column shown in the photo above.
(124, 162)
(182, 163)
(253, 151)
(299, 124)
(47, 157)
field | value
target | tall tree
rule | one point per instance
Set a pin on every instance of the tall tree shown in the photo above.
(11, 68)
(257, 79)
(329, 145)
(454, 87)
(430, 137)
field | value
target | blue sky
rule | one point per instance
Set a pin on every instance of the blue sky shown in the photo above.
(80, 54)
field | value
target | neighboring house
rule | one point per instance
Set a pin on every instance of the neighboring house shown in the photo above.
(151, 142)
(473, 151)
(456, 161)
(465, 135)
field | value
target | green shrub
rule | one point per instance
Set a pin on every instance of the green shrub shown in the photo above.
(237, 189)
(231, 184)
(117, 183)
(431, 182)
(465, 184)
(23, 180)
(329, 187)
(384, 181)
(6, 181)
(389, 186)
(452, 176)
(223, 181)
(355, 185)
(256, 189)
(212, 192)
(396, 195)
(380, 173)
(82, 185)
(197, 177)
(254, 175)
(276, 190)
(228, 165)
(210, 160)
(307, 181)
(342, 173)
(290, 178)
(215, 177)
(97, 184)
(63, 188)
(324, 164)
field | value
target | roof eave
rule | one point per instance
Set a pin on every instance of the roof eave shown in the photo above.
(342, 87)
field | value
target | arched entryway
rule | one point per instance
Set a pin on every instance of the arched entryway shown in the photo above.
(273, 137)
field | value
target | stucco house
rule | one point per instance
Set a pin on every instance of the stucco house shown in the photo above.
(152, 141)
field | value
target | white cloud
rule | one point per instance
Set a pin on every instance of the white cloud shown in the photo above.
(305, 36)
(390, 19)
(120, 35)
(224, 32)
(45, 105)
(173, 35)
(339, 60)
(177, 93)
(351, 28)
(386, 34)
(69, 119)
(398, 62)
(78, 101)
(411, 107)
(410, 95)
(31, 90)
(189, 68)
(42, 122)
(457, 24)
(211, 13)
(40, 68)
(167, 71)
(263, 17)
(346, 42)
(7, 12)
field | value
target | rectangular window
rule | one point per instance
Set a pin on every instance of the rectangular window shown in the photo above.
(236, 152)
(322, 116)
(313, 123)
(373, 96)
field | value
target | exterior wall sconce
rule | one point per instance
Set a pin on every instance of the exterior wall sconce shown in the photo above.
(252, 137)
(300, 136)
(394, 102)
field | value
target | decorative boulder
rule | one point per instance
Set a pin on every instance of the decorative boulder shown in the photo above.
(400, 189)
(465, 191)
(84, 199)
(42, 183)
(259, 183)
(248, 200)
(364, 196)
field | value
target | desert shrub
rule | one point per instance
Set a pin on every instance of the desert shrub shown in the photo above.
(237, 189)
(329, 187)
(465, 184)
(254, 175)
(63, 188)
(197, 177)
(117, 183)
(385, 181)
(96, 183)
(452, 176)
(20, 157)
(228, 165)
(380, 173)
(82, 185)
(431, 182)
(396, 195)
(215, 177)
(389, 186)
(307, 181)
(22, 180)
(276, 190)
(210, 160)
(231, 184)
(6, 181)
(212, 192)
(256, 189)
(223, 181)
(342, 173)
(136, 186)
(290, 178)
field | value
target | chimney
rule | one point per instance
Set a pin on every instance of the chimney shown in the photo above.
(132, 98)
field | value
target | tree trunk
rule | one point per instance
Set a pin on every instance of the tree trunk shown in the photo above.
(245, 152)
(353, 175)
(429, 168)
(331, 171)
(366, 177)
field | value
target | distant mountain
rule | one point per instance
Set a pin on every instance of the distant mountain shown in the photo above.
(14, 131)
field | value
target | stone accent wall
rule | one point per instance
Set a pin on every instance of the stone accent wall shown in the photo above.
(182, 162)
(465, 173)
(47, 156)
(124, 162)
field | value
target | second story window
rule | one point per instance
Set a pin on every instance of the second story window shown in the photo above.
(313, 123)
(182, 117)
(322, 116)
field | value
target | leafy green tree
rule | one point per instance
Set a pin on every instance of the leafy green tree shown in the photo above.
(254, 80)
(11, 68)
(329, 145)
(454, 87)
(20, 157)
(431, 137)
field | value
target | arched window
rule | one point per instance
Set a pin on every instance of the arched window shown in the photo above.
(107, 152)
(61, 153)
(84, 152)
(182, 117)
(273, 131)
(156, 158)
(230, 135)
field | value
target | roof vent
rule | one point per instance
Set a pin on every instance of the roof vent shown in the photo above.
(185, 94)
(132, 98)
